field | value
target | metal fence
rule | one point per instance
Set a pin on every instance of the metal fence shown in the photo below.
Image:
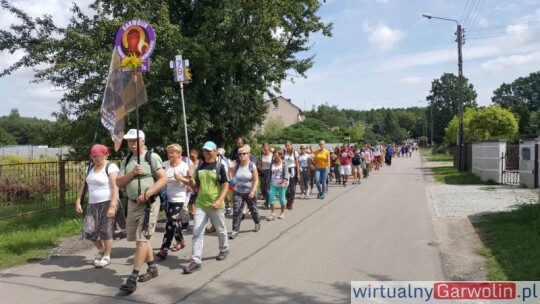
(33, 152)
(27, 188)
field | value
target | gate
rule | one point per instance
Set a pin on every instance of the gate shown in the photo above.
(510, 165)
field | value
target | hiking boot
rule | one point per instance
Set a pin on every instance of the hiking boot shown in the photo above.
(130, 285)
(257, 227)
(162, 254)
(192, 267)
(222, 256)
(103, 262)
(271, 217)
(233, 235)
(151, 273)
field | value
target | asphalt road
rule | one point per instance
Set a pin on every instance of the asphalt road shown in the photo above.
(379, 230)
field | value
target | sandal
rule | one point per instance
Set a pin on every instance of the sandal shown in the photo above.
(211, 229)
(178, 246)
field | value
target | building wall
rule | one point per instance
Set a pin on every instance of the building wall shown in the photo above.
(284, 110)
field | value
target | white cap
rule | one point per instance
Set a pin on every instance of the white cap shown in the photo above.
(132, 134)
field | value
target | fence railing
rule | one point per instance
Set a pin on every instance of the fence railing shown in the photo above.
(27, 188)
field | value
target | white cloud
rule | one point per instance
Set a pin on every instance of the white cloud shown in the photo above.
(382, 37)
(413, 80)
(515, 61)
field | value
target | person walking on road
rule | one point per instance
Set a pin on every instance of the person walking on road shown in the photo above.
(177, 172)
(102, 204)
(290, 157)
(278, 184)
(245, 192)
(142, 181)
(211, 179)
(264, 171)
(322, 167)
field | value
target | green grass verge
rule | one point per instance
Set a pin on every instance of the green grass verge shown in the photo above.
(512, 241)
(451, 176)
(32, 237)
(435, 157)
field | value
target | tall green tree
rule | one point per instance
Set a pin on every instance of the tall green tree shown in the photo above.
(522, 97)
(239, 50)
(488, 123)
(444, 98)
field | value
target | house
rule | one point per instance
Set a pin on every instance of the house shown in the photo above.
(281, 109)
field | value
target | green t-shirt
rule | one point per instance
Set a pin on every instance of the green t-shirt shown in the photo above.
(209, 184)
(147, 179)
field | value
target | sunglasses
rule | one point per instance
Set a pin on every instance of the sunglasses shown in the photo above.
(243, 153)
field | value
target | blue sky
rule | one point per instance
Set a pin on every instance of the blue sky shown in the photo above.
(383, 53)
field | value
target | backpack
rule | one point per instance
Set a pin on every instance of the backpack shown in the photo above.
(91, 167)
(219, 167)
(356, 159)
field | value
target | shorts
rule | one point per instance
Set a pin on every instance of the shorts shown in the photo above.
(135, 221)
(345, 170)
(356, 169)
(377, 159)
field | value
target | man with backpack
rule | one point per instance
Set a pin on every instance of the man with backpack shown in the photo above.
(211, 179)
(143, 176)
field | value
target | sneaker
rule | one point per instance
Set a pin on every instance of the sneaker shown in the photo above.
(222, 255)
(257, 227)
(151, 273)
(307, 192)
(162, 254)
(322, 196)
(98, 257)
(281, 216)
(228, 210)
(233, 235)
(130, 285)
(344, 184)
(271, 217)
(192, 267)
(103, 262)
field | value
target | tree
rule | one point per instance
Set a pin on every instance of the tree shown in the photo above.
(489, 123)
(522, 97)
(239, 52)
(444, 98)
(330, 115)
(273, 127)
(6, 138)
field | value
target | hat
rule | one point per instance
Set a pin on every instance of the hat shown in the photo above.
(132, 134)
(210, 146)
(221, 151)
(99, 150)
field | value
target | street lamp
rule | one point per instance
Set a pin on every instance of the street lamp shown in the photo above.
(461, 144)
(431, 116)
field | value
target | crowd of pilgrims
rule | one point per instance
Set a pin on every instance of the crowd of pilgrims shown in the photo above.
(212, 188)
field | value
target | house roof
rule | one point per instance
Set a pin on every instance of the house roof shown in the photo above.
(287, 100)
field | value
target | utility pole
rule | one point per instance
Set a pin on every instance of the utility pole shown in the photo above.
(461, 142)
(461, 149)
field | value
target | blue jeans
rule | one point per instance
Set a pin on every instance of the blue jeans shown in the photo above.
(320, 179)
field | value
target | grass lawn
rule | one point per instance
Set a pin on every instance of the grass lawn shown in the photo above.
(426, 152)
(31, 237)
(512, 243)
(451, 176)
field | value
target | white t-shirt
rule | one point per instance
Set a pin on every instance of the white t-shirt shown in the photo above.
(377, 150)
(303, 160)
(176, 190)
(266, 161)
(289, 159)
(277, 175)
(99, 185)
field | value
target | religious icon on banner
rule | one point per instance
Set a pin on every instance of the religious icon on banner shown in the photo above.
(136, 38)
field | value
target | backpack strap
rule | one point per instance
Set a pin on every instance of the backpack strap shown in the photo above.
(250, 166)
(147, 158)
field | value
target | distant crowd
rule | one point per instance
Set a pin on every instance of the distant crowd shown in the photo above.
(190, 188)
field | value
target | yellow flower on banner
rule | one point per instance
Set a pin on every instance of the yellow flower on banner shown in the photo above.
(188, 73)
(132, 63)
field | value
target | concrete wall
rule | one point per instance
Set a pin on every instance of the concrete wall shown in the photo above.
(486, 159)
(527, 163)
